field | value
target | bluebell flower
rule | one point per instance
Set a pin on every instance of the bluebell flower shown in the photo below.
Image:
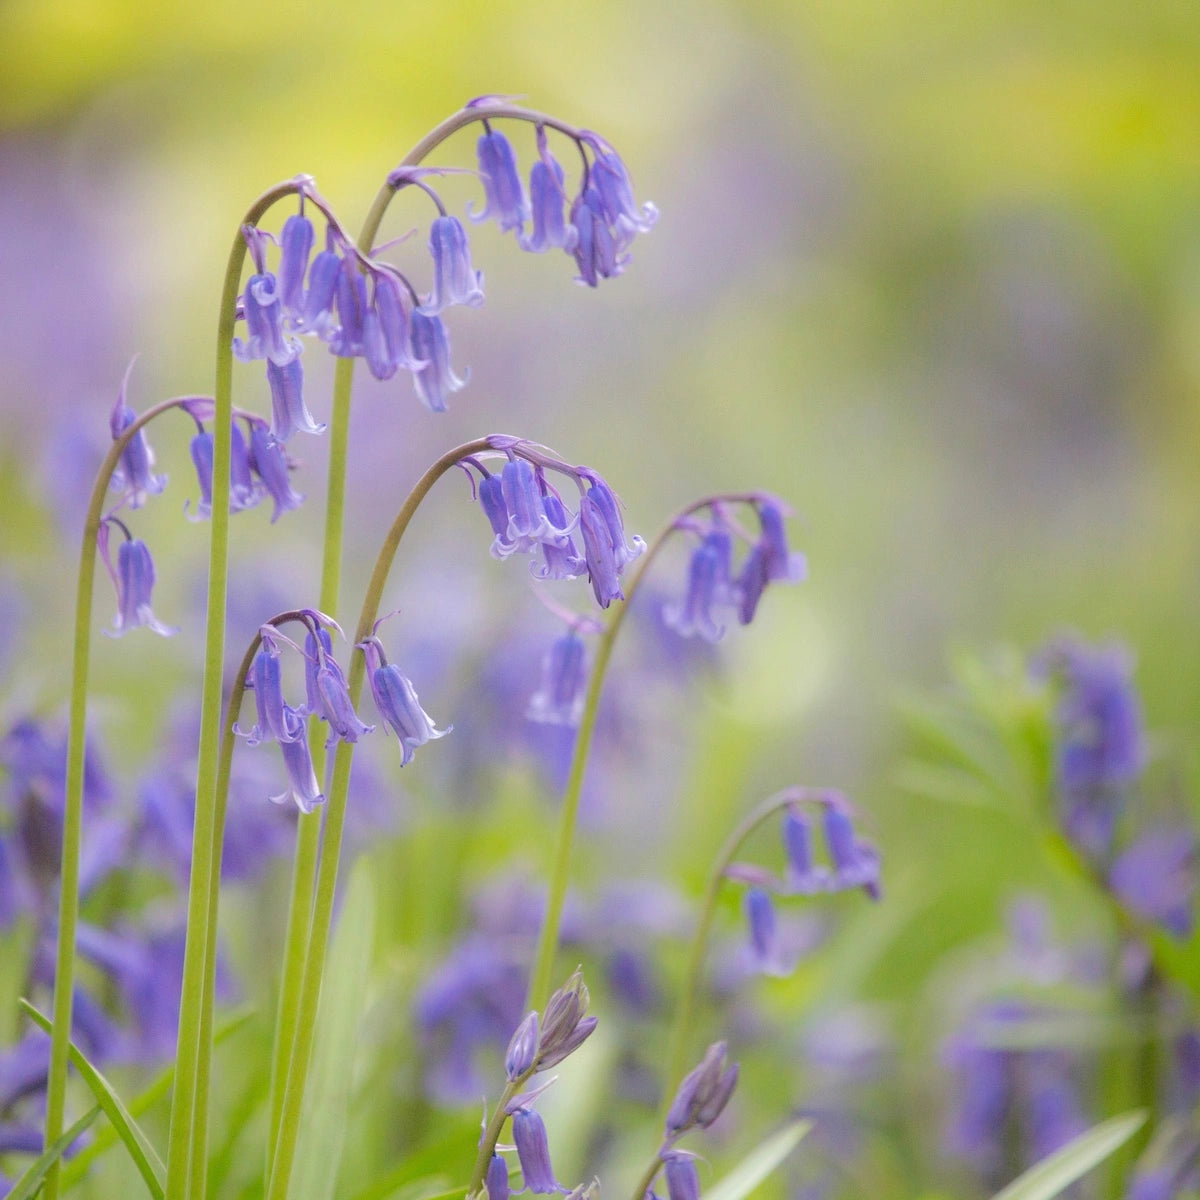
(855, 862)
(134, 579)
(289, 413)
(504, 194)
(346, 341)
(495, 508)
(615, 190)
(135, 471)
(430, 346)
(624, 550)
(804, 876)
(533, 1151)
(1156, 877)
(397, 703)
(387, 330)
(1099, 751)
(242, 491)
(295, 244)
(683, 1181)
(565, 1025)
(317, 315)
(328, 694)
(497, 1179)
(559, 700)
(560, 555)
(709, 587)
(548, 199)
(271, 463)
(596, 251)
(604, 545)
(455, 281)
(263, 310)
(266, 681)
(529, 525)
(769, 561)
(760, 916)
(303, 788)
(522, 1049)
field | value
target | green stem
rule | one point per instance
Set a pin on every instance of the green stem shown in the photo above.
(68, 903)
(677, 1045)
(193, 1055)
(335, 818)
(491, 1135)
(647, 1180)
(543, 962)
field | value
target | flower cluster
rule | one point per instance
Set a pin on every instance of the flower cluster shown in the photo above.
(327, 697)
(852, 863)
(712, 583)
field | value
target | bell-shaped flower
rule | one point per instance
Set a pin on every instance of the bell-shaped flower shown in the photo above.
(703, 1093)
(804, 876)
(708, 587)
(266, 681)
(289, 413)
(533, 1151)
(397, 702)
(346, 341)
(611, 181)
(135, 470)
(303, 789)
(559, 700)
(317, 316)
(504, 194)
(497, 1179)
(263, 311)
(560, 556)
(455, 281)
(328, 695)
(495, 507)
(548, 199)
(855, 862)
(134, 577)
(270, 462)
(295, 246)
(430, 346)
(596, 252)
(242, 491)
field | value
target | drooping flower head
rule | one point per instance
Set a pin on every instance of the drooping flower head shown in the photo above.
(505, 201)
(135, 472)
(548, 198)
(134, 578)
(397, 703)
(559, 700)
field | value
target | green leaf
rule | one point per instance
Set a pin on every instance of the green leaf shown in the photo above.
(343, 999)
(144, 1156)
(759, 1163)
(31, 1181)
(1075, 1159)
(108, 1137)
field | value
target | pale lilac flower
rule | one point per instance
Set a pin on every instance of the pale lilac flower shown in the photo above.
(455, 281)
(289, 413)
(263, 310)
(397, 702)
(134, 577)
(615, 190)
(559, 700)
(303, 787)
(709, 587)
(548, 200)
(502, 188)
(317, 315)
(295, 243)
(346, 341)
(328, 692)
(431, 347)
(135, 471)
(270, 462)
(266, 681)
(1156, 877)
(560, 556)
(533, 1151)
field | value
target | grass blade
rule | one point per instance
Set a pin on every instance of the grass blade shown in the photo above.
(29, 1183)
(759, 1163)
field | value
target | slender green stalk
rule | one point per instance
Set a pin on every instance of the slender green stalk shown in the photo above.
(335, 819)
(648, 1176)
(193, 1055)
(677, 1045)
(68, 903)
(543, 962)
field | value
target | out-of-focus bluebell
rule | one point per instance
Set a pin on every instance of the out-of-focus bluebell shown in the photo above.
(1156, 876)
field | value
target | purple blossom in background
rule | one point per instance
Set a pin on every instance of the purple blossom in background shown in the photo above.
(709, 586)
(1099, 751)
(1156, 877)
(559, 700)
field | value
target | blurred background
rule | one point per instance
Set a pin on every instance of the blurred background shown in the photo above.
(930, 271)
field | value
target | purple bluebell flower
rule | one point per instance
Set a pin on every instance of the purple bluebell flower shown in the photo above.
(328, 693)
(430, 346)
(596, 252)
(387, 332)
(397, 703)
(781, 564)
(346, 341)
(751, 583)
(548, 200)
(497, 1179)
(317, 316)
(560, 556)
(242, 492)
(1156, 877)
(263, 311)
(624, 550)
(266, 681)
(804, 876)
(604, 545)
(289, 413)
(708, 587)
(611, 181)
(528, 523)
(303, 787)
(504, 194)
(855, 862)
(134, 577)
(533, 1151)
(495, 508)
(135, 471)
(760, 915)
(295, 243)
(683, 1181)
(703, 1093)
(455, 281)
(1100, 751)
(559, 700)
(522, 1049)
(271, 464)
